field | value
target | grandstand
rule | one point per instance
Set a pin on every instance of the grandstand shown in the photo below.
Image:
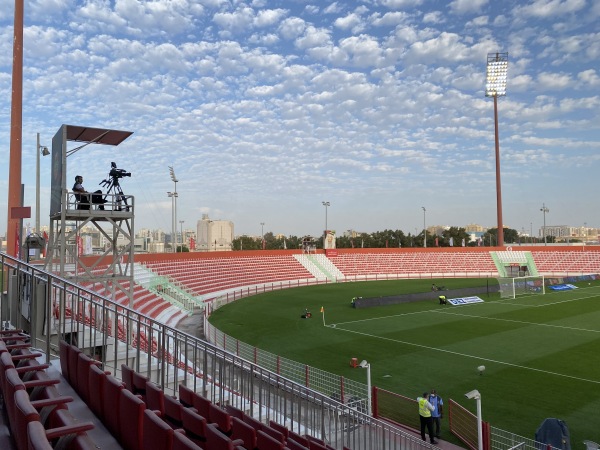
(207, 276)
(144, 339)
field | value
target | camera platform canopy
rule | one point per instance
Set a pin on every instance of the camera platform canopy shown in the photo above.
(96, 135)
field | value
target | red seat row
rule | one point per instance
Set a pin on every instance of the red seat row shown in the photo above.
(142, 417)
(38, 416)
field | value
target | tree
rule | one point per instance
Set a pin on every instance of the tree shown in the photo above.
(510, 236)
(456, 234)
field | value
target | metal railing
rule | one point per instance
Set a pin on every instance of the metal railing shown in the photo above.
(505, 440)
(334, 386)
(51, 308)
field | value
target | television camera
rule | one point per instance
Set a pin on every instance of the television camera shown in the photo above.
(113, 187)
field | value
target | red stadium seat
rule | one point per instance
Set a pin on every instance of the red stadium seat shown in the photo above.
(97, 381)
(194, 425)
(298, 438)
(202, 405)
(182, 442)
(280, 428)
(240, 430)
(127, 377)
(139, 384)
(220, 418)
(173, 411)
(157, 435)
(215, 440)
(110, 405)
(293, 445)
(131, 418)
(186, 396)
(266, 442)
(155, 397)
(13, 383)
(69, 437)
(73, 357)
(234, 412)
(83, 376)
(26, 411)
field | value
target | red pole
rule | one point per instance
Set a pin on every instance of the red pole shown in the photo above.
(16, 131)
(500, 240)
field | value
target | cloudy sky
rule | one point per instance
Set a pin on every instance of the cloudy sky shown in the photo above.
(267, 108)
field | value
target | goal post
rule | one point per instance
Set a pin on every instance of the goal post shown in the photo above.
(512, 286)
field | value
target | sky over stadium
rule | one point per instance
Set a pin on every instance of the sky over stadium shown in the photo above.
(265, 109)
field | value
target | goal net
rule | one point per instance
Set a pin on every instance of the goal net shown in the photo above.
(511, 287)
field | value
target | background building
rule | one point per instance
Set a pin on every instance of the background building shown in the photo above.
(214, 235)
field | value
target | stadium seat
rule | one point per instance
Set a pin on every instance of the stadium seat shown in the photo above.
(6, 362)
(97, 381)
(279, 428)
(127, 377)
(254, 423)
(131, 418)
(63, 352)
(293, 445)
(194, 425)
(138, 382)
(38, 438)
(240, 430)
(202, 405)
(157, 435)
(26, 413)
(186, 395)
(316, 443)
(266, 442)
(182, 442)
(173, 411)
(234, 412)
(298, 438)
(73, 357)
(155, 398)
(83, 375)
(220, 418)
(110, 405)
(215, 440)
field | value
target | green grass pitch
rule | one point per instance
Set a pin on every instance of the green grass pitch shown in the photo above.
(541, 352)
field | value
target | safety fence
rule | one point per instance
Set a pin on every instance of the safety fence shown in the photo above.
(52, 308)
(334, 386)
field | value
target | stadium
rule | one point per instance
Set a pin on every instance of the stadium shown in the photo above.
(173, 342)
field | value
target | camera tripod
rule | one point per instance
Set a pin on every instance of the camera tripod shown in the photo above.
(115, 188)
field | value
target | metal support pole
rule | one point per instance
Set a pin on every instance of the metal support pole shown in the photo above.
(500, 240)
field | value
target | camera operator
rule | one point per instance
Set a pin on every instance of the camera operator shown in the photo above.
(83, 197)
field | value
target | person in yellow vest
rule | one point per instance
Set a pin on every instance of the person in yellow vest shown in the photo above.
(425, 409)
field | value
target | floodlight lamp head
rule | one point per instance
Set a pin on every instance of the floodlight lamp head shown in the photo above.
(497, 68)
(473, 395)
(363, 363)
(172, 172)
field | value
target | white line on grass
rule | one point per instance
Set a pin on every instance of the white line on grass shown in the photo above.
(470, 356)
(516, 321)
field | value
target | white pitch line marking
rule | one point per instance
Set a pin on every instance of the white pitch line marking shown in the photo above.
(472, 356)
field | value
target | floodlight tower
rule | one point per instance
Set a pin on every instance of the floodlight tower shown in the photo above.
(424, 228)
(545, 210)
(495, 86)
(326, 205)
(173, 196)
